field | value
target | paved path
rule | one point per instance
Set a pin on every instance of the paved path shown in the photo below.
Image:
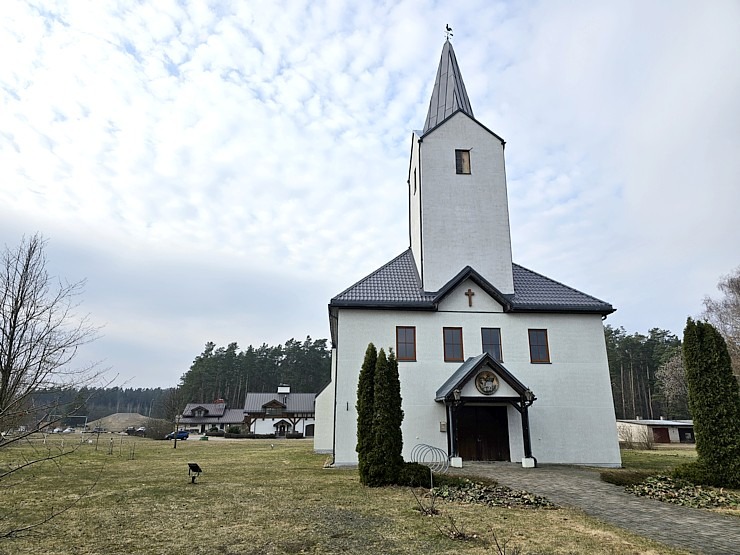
(695, 530)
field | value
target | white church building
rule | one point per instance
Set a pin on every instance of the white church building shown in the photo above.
(496, 361)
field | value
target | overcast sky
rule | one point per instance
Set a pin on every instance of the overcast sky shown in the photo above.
(219, 173)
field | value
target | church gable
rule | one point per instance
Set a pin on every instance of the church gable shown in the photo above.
(482, 376)
(469, 296)
(486, 383)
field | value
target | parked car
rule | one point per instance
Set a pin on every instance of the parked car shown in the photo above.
(180, 434)
(57, 431)
(68, 430)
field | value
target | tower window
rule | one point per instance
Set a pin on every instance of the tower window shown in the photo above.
(462, 161)
(453, 344)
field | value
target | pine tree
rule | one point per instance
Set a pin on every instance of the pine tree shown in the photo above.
(365, 410)
(385, 462)
(714, 400)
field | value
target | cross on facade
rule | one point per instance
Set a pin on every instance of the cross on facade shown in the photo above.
(469, 293)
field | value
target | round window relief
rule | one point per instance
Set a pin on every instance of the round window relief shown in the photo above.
(486, 382)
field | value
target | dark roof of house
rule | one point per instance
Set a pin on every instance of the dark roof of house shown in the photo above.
(228, 416)
(294, 402)
(210, 409)
(397, 285)
(448, 95)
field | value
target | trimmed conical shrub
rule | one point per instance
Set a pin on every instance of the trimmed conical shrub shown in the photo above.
(714, 399)
(365, 410)
(385, 462)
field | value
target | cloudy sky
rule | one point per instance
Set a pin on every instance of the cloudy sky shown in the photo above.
(218, 171)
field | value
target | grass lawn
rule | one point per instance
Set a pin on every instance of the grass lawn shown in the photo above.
(660, 460)
(255, 499)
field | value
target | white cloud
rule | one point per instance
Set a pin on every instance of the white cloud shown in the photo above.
(196, 161)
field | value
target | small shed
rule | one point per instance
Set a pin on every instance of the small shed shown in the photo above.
(656, 431)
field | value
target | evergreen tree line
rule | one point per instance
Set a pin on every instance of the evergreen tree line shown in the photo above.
(229, 373)
(643, 371)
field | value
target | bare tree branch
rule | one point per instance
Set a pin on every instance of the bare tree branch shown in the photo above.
(40, 332)
(724, 314)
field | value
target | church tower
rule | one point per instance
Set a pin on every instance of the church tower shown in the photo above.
(458, 206)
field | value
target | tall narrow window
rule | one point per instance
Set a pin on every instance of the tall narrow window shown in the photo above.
(462, 161)
(453, 344)
(492, 342)
(538, 350)
(406, 342)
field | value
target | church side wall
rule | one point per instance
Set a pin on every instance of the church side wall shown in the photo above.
(572, 421)
(323, 441)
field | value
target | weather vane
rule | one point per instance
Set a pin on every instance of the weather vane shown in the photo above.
(448, 31)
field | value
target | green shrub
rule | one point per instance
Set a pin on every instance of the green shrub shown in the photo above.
(714, 398)
(624, 477)
(697, 473)
(234, 430)
(414, 475)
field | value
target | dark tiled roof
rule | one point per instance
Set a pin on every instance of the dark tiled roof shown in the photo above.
(395, 282)
(533, 291)
(212, 409)
(294, 402)
(229, 416)
(449, 94)
(397, 285)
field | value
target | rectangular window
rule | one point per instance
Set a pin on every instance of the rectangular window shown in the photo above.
(406, 342)
(492, 342)
(538, 351)
(453, 344)
(462, 161)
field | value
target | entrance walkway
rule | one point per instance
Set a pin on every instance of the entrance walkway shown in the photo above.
(696, 530)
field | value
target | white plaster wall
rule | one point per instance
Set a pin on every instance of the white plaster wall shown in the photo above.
(457, 300)
(464, 218)
(323, 441)
(572, 421)
(267, 425)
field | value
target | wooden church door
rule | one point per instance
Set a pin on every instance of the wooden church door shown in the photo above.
(483, 433)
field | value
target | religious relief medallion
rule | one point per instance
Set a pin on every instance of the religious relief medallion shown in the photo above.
(486, 382)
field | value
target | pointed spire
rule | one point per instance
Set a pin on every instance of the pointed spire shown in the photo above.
(449, 94)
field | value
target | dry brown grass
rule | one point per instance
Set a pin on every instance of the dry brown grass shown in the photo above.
(253, 499)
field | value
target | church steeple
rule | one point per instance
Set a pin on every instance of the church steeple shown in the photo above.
(449, 94)
(458, 205)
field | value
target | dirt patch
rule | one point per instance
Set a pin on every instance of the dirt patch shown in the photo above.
(119, 422)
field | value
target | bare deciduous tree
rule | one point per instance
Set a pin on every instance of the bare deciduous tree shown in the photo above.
(671, 377)
(40, 334)
(724, 314)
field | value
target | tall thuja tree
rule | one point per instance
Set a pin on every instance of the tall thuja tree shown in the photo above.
(365, 410)
(714, 398)
(385, 462)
